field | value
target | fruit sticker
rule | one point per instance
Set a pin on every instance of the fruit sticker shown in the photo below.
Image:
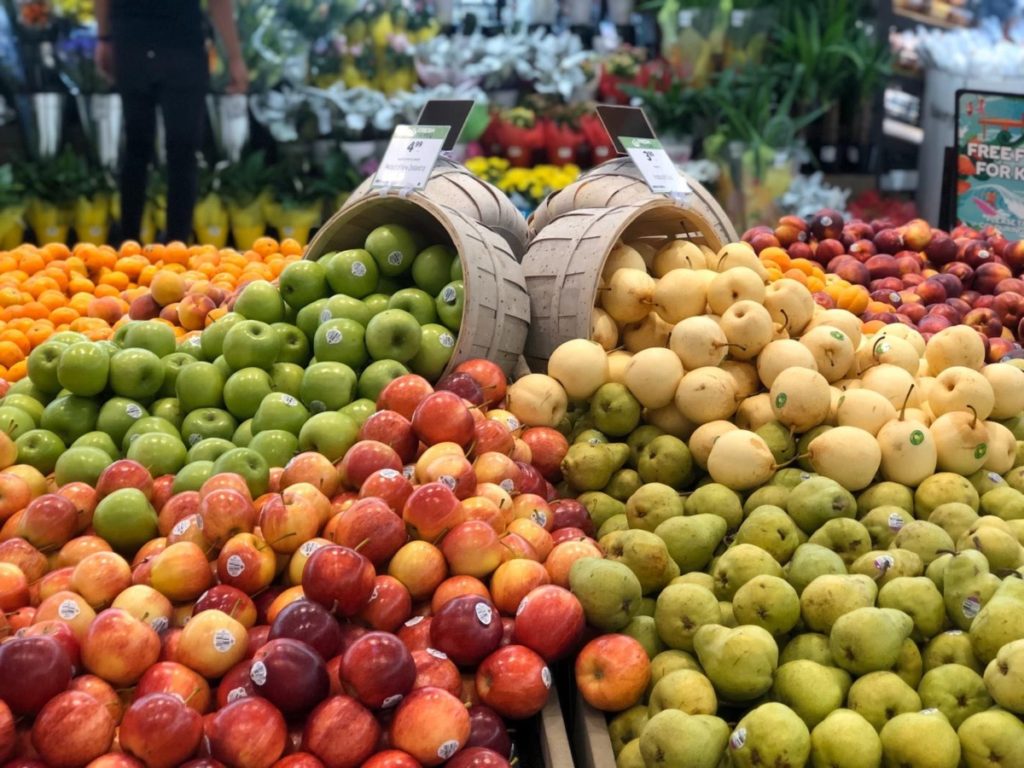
(738, 738)
(446, 340)
(980, 451)
(325, 316)
(545, 677)
(395, 258)
(68, 610)
(223, 641)
(309, 547)
(448, 295)
(391, 701)
(133, 410)
(916, 437)
(838, 335)
(235, 566)
(970, 606)
(780, 400)
(895, 522)
(358, 268)
(333, 336)
(484, 614)
(448, 749)
(437, 654)
(258, 673)
(235, 694)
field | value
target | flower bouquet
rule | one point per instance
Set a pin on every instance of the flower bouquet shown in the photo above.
(515, 133)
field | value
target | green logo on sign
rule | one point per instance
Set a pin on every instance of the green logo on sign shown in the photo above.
(916, 437)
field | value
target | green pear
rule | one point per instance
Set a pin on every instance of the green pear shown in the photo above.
(740, 662)
(810, 561)
(768, 602)
(601, 506)
(589, 466)
(1015, 477)
(884, 566)
(728, 617)
(591, 436)
(879, 696)
(674, 739)
(738, 565)
(845, 739)
(699, 578)
(666, 459)
(847, 538)
(1000, 621)
(985, 480)
(614, 410)
(766, 495)
(869, 639)
(791, 477)
(1004, 502)
(942, 488)
(954, 518)
(643, 630)
(614, 523)
(646, 607)
(1004, 677)
(716, 499)
(992, 739)
(956, 691)
(927, 540)
(608, 591)
(681, 610)
(630, 756)
(638, 440)
(651, 505)
(883, 523)
(810, 689)
(810, 646)
(626, 726)
(771, 529)
(999, 546)
(623, 484)
(692, 540)
(686, 690)
(828, 597)
(780, 441)
(815, 502)
(920, 599)
(950, 647)
(670, 661)
(770, 735)
(885, 494)
(924, 739)
(967, 585)
(936, 570)
(645, 554)
(909, 665)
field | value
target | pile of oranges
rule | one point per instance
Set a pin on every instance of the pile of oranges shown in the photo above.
(91, 289)
(829, 290)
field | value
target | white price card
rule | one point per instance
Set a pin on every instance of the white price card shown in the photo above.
(411, 156)
(657, 167)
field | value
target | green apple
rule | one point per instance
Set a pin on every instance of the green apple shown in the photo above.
(341, 341)
(159, 453)
(260, 300)
(27, 403)
(275, 445)
(221, 364)
(126, 519)
(449, 304)
(302, 282)
(80, 464)
(393, 247)
(15, 422)
(207, 422)
(158, 338)
(107, 346)
(456, 272)
(353, 272)
(308, 319)
(99, 440)
(432, 268)
(244, 390)
(437, 344)
(330, 433)
(137, 374)
(200, 385)
(42, 366)
(173, 363)
(193, 475)
(68, 337)
(376, 303)
(341, 306)
(243, 435)
(167, 408)
(390, 285)
(377, 375)
(213, 335)
(393, 335)
(209, 449)
(83, 368)
(39, 448)
(251, 343)
(120, 333)
(191, 346)
(26, 387)
(250, 465)
(360, 410)
(279, 411)
(117, 416)
(417, 303)
(70, 417)
(327, 386)
(145, 426)
(294, 344)
(286, 378)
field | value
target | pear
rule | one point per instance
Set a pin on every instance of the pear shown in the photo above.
(845, 739)
(888, 350)
(950, 647)
(622, 257)
(603, 329)
(1007, 384)
(727, 288)
(629, 295)
(647, 606)
(645, 554)
(810, 689)
(961, 442)
(942, 488)
(925, 539)
(740, 662)
(580, 366)
(869, 639)
(829, 597)
(618, 360)
(680, 293)
(698, 578)
(923, 739)
(770, 735)
(832, 349)
(698, 342)
(1002, 448)
(811, 561)
(601, 506)
(670, 661)
(845, 321)
(1015, 477)
(992, 739)
(706, 394)
(674, 739)
(908, 451)
(626, 726)
(1000, 547)
(589, 467)
(954, 518)
(791, 477)
(728, 617)
(893, 383)
(780, 441)
(740, 460)
(749, 328)
(612, 524)
(615, 411)
(768, 602)
(651, 505)
(864, 409)
(920, 599)
(681, 610)
(678, 254)
(771, 496)
(643, 630)
(880, 696)
(956, 345)
(888, 493)
(734, 255)
(779, 355)
(630, 756)
(956, 691)
(1000, 621)
(704, 437)
(961, 389)
(738, 565)
(789, 303)
(754, 412)
(800, 398)
(650, 333)
(967, 585)
(1003, 502)
(692, 540)
(608, 591)
(666, 459)
(744, 373)
(818, 500)
(847, 538)
(808, 646)
(623, 484)
(771, 529)
(884, 566)
(909, 666)
(1004, 677)
(686, 690)
(653, 375)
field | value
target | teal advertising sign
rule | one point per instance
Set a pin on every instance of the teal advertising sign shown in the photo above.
(990, 161)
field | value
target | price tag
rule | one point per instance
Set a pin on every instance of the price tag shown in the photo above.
(658, 170)
(411, 156)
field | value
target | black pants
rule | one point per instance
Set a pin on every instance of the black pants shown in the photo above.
(176, 80)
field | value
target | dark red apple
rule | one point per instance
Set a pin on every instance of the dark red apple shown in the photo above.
(466, 629)
(463, 385)
(338, 578)
(378, 670)
(8, 734)
(250, 731)
(477, 757)
(290, 675)
(311, 623)
(487, 729)
(230, 600)
(530, 480)
(489, 376)
(160, 730)
(32, 671)
(569, 513)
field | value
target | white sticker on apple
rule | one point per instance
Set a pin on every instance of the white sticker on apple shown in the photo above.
(160, 624)
(199, 521)
(290, 401)
(133, 410)
(507, 485)
(235, 566)
(194, 438)
(309, 547)
(236, 693)
(358, 268)
(484, 613)
(391, 701)
(389, 474)
(522, 605)
(447, 340)
(437, 654)
(180, 527)
(325, 316)
(513, 423)
(223, 641)
(539, 518)
(395, 258)
(258, 673)
(333, 336)
(413, 621)
(545, 677)
(447, 481)
(373, 595)
(68, 610)
(448, 749)
(448, 295)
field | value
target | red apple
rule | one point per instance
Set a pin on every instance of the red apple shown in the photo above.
(371, 526)
(489, 376)
(389, 607)
(478, 757)
(492, 436)
(177, 680)
(392, 758)
(236, 684)
(226, 512)
(443, 417)
(514, 681)
(231, 600)
(163, 489)
(338, 578)
(534, 617)
(313, 468)
(225, 481)
(466, 629)
(72, 729)
(248, 733)
(177, 508)
(390, 486)
(487, 729)
(311, 623)
(8, 736)
(341, 732)
(415, 633)
(80, 494)
(378, 670)
(364, 458)
(160, 730)
(431, 510)
(119, 648)
(30, 560)
(48, 522)
(404, 394)
(463, 385)
(290, 675)
(394, 430)
(472, 548)
(454, 471)
(32, 671)
(435, 669)
(124, 473)
(802, 250)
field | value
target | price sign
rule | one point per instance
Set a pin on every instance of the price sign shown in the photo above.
(411, 156)
(657, 167)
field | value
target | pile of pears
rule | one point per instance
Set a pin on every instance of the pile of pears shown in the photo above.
(815, 533)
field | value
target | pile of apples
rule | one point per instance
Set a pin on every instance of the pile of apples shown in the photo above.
(918, 275)
(389, 608)
(812, 534)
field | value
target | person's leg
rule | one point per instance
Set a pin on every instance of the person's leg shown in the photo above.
(139, 105)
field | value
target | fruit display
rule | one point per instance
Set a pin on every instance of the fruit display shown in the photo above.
(912, 274)
(810, 525)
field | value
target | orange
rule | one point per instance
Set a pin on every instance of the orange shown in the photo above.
(291, 247)
(130, 248)
(176, 253)
(56, 251)
(18, 371)
(264, 246)
(10, 353)
(63, 315)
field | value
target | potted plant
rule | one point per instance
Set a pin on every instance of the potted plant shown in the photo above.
(294, 201)
(672, 111)
(243, 188)
(154, 213)
(52, 187)
(210, 215)
(91, 217)
(12, 208)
